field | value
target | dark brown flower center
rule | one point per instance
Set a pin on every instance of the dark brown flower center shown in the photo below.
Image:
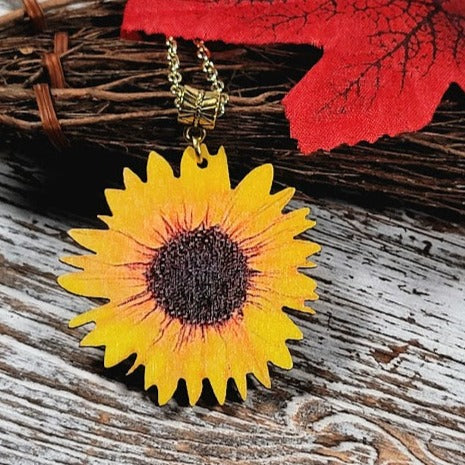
(200, 277)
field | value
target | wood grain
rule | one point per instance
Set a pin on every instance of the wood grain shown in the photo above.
(379, 378)
(117, 97)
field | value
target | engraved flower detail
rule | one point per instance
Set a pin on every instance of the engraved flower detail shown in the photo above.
(196, 275)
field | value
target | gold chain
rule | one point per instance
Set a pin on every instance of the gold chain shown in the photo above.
(208, 67)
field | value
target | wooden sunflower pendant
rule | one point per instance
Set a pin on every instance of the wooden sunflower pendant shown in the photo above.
(196, 275)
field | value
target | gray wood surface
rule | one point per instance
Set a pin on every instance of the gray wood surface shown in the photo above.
(379, 378)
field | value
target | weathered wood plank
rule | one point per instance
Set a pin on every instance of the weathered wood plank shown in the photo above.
(117, 94)
(378, 379)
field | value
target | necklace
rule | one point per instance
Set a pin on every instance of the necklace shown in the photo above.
(195, 273)
(198, 109)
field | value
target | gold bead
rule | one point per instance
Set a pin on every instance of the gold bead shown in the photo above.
(199, 107)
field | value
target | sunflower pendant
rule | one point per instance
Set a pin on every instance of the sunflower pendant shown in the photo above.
(195, 275)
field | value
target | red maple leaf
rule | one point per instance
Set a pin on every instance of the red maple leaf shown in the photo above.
(385, 66)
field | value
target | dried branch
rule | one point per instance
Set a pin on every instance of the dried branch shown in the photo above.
(117, 97)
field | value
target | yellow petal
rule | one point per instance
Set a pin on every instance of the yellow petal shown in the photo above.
(280, 231)
(111, 246)
(93, 339)
(131, 180)
(248, 196)
(272, 326)
(241, 385)
(117, 351)
(211, 179)
(270, 329)
(128, 336)
(159, 372)
(138, 214)
(276, 256)
(260, 371)
(125, 333)
(253, 224)
(159, 173)
(281, 357)
(166, 389)
(190, 356)
(258, 181)
(204, 187)
(292, 289)
(161, 367)
(215, 363)
(105, 281)
(93, 315)
(94, 265)
(276, 350)
(238, 354)
(257, 358)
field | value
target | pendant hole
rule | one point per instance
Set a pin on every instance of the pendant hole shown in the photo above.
(203, 164)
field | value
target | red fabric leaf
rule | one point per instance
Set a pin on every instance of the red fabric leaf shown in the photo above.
(385, 65)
